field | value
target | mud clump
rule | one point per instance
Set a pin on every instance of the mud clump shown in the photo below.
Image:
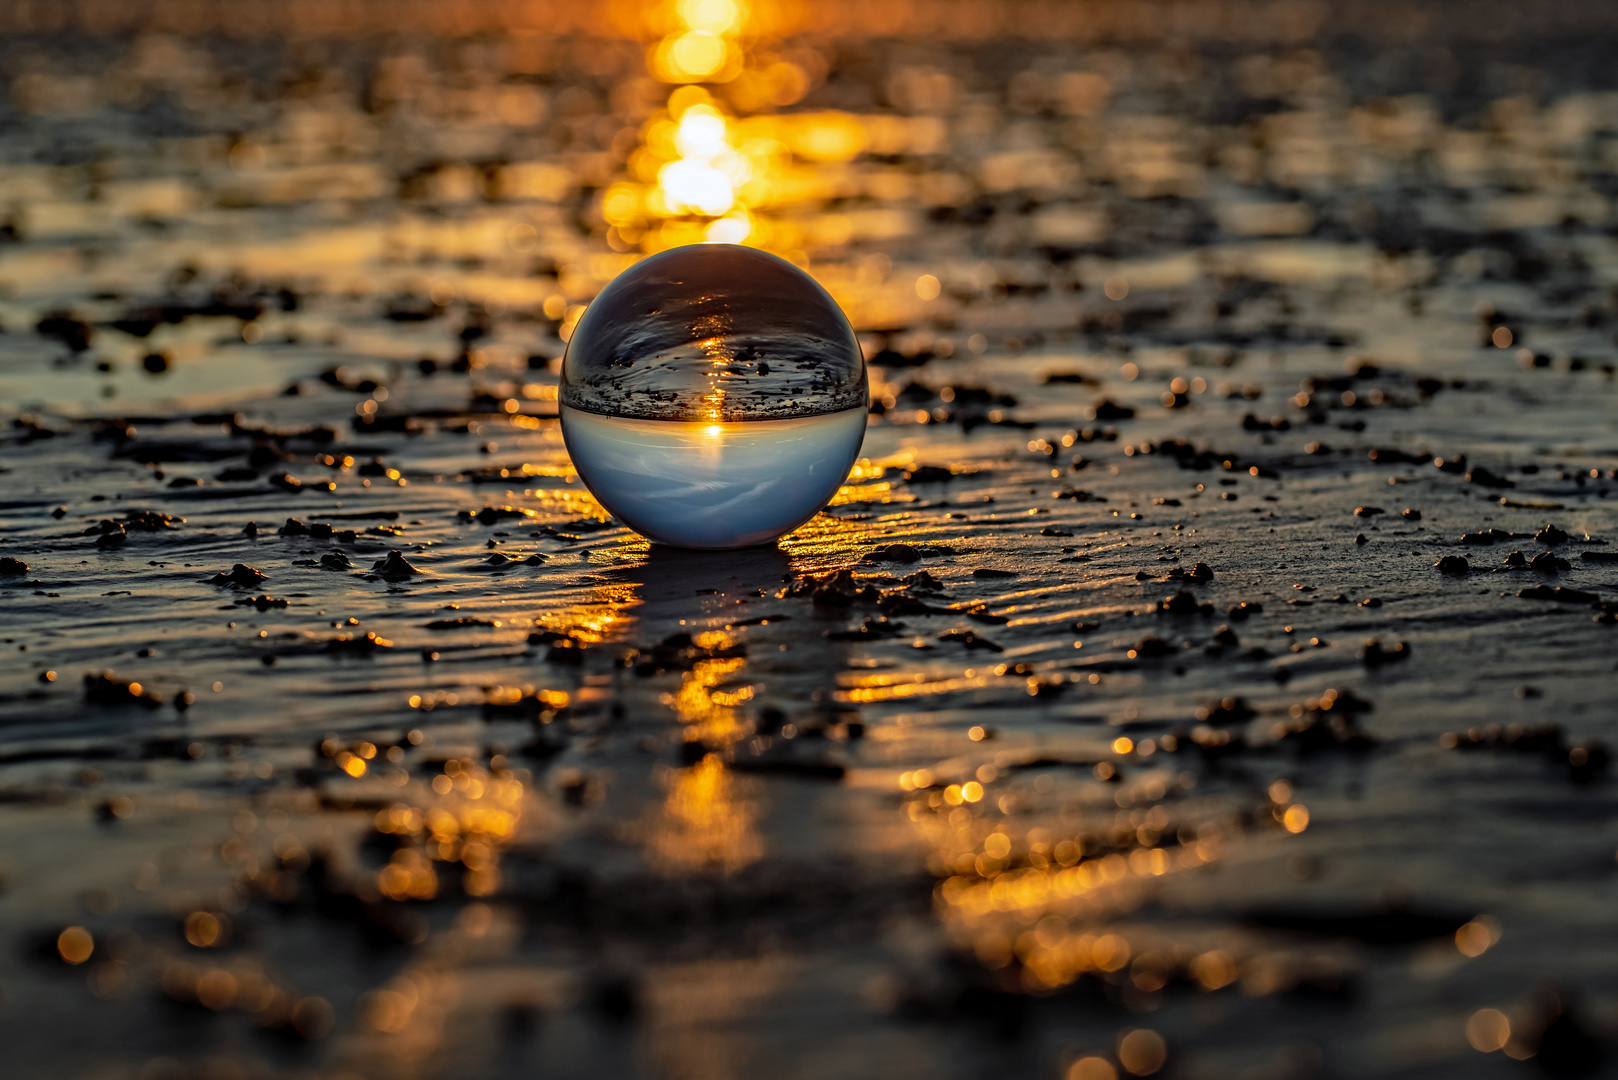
(106, 688)
(836, 590)
(240, 576)
(394, 567)
(1486, 536)
(1551, 536)
(1559, 594)
(1584, 761)
(1329, 722)
(971, 641)
(1373, 654)
(1547, 563)
(151, 521)
(499, 560)
(1183, 603)
(1150, 647)
(928, 474)
(1107, 409)
(491, 515)
(1484, 478)
(679, 652)
(896, 553)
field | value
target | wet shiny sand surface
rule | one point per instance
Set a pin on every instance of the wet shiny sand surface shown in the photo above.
(1206, 670)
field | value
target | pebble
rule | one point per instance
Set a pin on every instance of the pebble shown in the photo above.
(394, 567)
(105, 688)
(1559, 594)
(239, 576)
(971, 640)
(1375, 654)
(1547, 563)
(1183, 602)
(1484, 478)
(1551, 536)
(897, 553)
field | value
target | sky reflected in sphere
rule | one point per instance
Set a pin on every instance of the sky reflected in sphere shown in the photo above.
(713, 396)
(698, 485)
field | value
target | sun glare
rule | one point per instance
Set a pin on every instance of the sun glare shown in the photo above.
(705, 178)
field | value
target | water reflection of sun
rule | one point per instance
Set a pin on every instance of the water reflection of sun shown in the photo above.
(710, 166)
(705, 824)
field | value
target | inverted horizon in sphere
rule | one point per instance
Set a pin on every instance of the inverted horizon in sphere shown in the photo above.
(713, 396)
(713, 332)
(697, 484)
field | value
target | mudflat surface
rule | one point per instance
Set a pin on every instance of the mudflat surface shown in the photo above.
(1213, 651)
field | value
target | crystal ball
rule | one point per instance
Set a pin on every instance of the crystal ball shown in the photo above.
(713, 396)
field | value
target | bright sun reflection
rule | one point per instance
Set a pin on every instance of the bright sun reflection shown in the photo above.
(704, 47)
(713, 165)
(696, 187)
(705, 824)
(709, 171)
(700, 174)
(698, 53)
(714, 16)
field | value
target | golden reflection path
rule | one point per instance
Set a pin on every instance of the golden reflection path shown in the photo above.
(714, 162)
(706, 822)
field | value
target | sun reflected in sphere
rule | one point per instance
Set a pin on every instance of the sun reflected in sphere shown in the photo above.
(713, 396)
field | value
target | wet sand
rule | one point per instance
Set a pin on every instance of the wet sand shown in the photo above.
(1213, 645)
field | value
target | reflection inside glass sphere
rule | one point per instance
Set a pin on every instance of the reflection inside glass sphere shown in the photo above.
(713, 396)
(701, 485)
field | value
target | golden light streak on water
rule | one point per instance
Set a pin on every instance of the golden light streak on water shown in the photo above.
(705, 825)
(891, 688)
(824, 537)
(707, 715)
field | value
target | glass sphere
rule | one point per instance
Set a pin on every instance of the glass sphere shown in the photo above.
(713, 396)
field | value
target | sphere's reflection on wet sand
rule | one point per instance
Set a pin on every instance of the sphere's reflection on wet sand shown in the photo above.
(699, 485)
